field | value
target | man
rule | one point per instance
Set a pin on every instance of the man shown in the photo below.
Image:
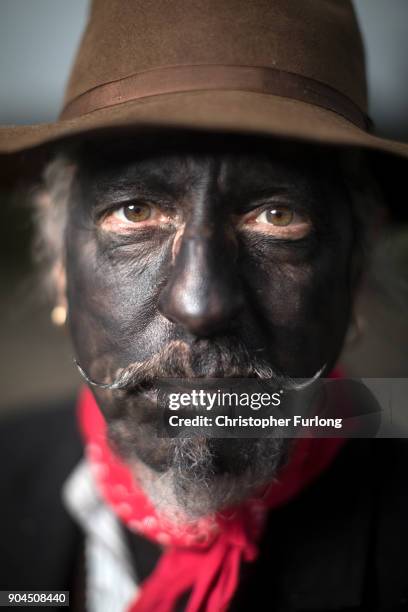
(198, 222)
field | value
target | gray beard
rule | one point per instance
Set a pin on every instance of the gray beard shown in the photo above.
(189, 478)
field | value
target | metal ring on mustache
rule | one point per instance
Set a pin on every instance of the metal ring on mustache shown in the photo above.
(117, 385)
(286, 383)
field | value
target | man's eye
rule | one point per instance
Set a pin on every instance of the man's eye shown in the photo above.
(135, 213)
(280, 216)
(278, 221)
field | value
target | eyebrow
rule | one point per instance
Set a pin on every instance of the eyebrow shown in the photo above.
(123, 187)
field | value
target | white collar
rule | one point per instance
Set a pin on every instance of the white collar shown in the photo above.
(111, 583)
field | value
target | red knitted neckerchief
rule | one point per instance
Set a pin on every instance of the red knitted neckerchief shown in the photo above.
(203, 557)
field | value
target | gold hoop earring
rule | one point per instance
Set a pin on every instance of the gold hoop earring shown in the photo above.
(59, 316)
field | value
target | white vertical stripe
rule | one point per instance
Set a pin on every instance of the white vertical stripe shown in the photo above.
(111, 583)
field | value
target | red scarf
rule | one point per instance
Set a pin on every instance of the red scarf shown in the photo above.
(204, 557)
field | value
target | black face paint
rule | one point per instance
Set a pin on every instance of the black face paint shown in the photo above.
(229, 294)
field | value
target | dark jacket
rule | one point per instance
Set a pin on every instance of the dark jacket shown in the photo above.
(340, 545)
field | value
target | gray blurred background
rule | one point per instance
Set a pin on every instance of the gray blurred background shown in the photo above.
(38, 39)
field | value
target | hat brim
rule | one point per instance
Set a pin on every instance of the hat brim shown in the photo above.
(235, 111)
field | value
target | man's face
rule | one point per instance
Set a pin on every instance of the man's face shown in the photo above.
(205, 258)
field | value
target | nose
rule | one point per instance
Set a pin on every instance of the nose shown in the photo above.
(203, 293)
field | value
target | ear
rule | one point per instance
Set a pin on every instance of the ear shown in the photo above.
(59, 312)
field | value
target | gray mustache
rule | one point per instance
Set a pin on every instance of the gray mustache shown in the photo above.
(202, 360)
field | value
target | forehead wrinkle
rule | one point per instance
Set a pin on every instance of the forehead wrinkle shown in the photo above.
(251, 174)
(172, 175)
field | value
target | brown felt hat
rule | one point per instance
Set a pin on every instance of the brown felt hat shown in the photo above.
(285, 68)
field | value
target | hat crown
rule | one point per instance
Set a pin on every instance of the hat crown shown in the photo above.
(317, 39)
